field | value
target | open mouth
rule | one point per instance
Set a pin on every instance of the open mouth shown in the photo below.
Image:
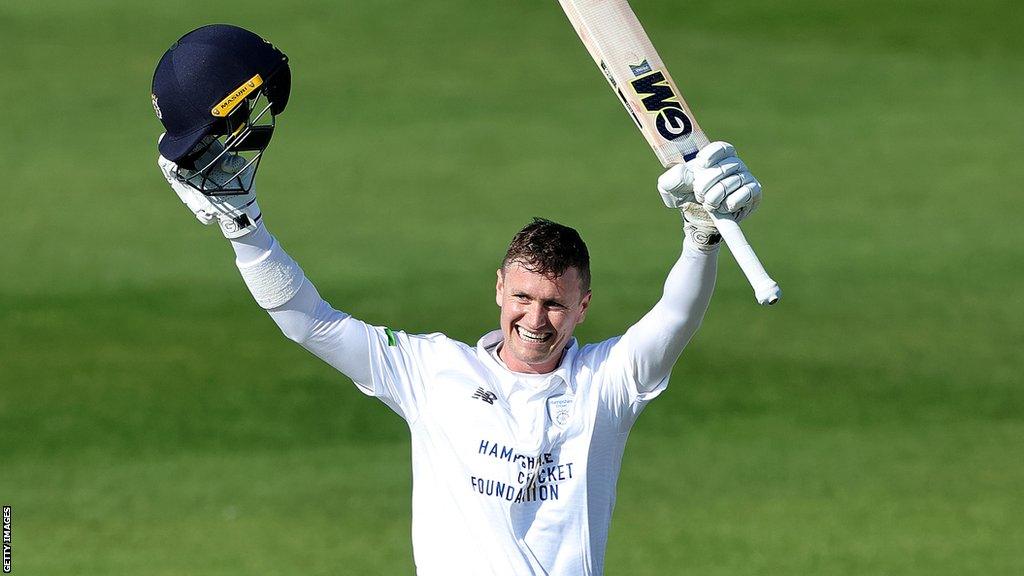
(528, 336)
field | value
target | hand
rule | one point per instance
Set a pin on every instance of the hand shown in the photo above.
(713, 181)
(236, 214)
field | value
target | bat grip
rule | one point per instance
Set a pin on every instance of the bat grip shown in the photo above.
(766, 290)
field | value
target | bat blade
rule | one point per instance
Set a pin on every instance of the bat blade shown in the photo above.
(622, 50)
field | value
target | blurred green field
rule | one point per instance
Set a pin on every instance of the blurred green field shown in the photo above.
(153, 421)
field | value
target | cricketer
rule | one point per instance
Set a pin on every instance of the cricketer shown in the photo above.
(517, 439)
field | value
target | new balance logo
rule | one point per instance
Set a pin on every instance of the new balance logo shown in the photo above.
(485, 395)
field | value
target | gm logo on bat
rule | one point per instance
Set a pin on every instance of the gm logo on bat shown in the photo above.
(658, 98)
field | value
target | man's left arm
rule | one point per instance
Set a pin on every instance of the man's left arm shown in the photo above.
(715, 180)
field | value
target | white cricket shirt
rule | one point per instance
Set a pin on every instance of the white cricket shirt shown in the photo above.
(513, 474)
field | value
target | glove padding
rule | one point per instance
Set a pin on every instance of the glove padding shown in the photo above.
(699, 227)
(713, 181)
(237, 214)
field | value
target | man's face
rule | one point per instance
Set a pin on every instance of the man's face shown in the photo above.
(538, 315)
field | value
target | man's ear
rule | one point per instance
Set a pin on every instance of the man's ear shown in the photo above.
(584, 306)
(499, 288)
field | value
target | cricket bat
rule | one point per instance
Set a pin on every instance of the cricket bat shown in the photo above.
(620, 47)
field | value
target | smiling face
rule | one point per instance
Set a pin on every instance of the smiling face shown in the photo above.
(538, 315)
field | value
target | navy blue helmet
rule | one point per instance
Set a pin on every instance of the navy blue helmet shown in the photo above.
(219, 88)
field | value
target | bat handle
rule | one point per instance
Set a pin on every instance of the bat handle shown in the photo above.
(766, 290)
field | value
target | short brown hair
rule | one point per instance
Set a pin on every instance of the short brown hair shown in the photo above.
(549, 248)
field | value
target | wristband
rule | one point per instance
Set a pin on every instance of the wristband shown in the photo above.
(273, 279)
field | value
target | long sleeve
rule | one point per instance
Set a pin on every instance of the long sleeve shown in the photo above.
(331, 335)
(655, 342)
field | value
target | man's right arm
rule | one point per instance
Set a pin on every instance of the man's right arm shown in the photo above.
(278, 284)
(381, 362)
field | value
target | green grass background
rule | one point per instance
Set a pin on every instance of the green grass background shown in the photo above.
(153, 421)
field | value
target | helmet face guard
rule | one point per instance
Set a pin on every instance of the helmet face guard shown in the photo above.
(224, 162)
(218, 91)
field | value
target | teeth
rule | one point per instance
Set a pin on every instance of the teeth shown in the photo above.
(532, 336)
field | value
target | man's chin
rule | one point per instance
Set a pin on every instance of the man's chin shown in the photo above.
(531, 358)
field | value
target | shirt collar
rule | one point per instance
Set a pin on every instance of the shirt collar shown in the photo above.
(509, 379)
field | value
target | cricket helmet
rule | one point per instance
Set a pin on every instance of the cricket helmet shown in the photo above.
(219, 88)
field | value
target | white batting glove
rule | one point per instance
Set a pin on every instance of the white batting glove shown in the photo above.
(237, 215)
(713, 181)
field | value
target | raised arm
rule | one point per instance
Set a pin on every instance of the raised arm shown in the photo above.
(218, 91)
(716, 180)
(656, 340)
(279, 285)
(275, 280)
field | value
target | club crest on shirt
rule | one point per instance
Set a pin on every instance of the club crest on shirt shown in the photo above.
(560, 408)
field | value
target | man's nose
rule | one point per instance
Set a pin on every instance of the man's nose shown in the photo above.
(535, 316)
